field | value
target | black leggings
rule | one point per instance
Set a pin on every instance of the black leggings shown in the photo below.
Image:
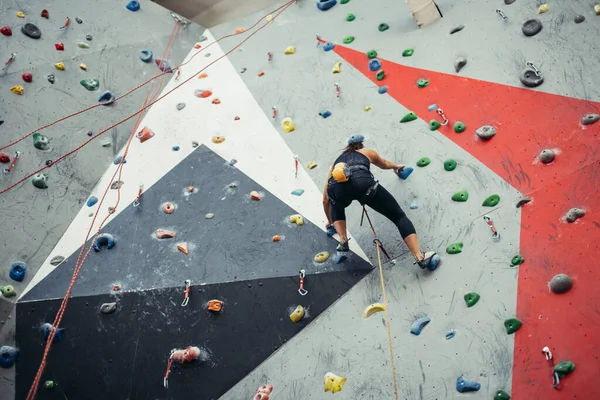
(341, 195)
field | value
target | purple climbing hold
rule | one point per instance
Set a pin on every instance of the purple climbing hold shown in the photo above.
(325, 5)
(133, 5)
(107, 97)
(92, 201)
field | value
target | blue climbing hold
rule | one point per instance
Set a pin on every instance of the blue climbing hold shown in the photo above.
(17, 271)
(91, 201)
(414, 205)
(8, 356)
(145, 55)
(90, 133)
(432, 107)
(47, 328)
(382, 90)
(325, 114)
(325, 5)
(331, 231)
(418, 325)
(104, 240)
(107, 97)
(450, 334)
(405, 172)
(117, 160)
(434, 262)
(374, 64)
(328, 46)
(356, 139)
(298, 192)
(232, 162)
(133, 5)
(175, 148)
(463, 385)
(340, 257)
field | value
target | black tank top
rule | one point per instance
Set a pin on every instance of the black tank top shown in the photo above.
(354, 158)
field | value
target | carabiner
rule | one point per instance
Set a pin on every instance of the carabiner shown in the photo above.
(301, 290)
(186, 298)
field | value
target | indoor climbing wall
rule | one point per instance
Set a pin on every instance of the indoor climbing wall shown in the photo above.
(217, 229)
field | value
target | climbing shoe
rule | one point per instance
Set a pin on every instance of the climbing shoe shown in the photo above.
(343, 247)
(430, 261)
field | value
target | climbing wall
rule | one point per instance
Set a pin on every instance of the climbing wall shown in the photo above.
(221, 136)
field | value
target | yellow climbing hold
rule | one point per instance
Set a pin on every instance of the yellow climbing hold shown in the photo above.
(372, 309)
(83, 67)
(297, 219)
(297, 314)
(337, 68)
(544, 8)
(60, 66)
(20, 14)
(288, 125)
(333, 382)
(269, 18)
(311, 165)
(367, 108)
(597, 9)
(322, 257)
(17, 89)
(289, 50)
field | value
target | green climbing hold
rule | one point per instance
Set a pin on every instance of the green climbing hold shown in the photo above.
(371, 54)
(7, 291)
(380, 75)
(49, 385)
(472, 298)
(463, 196)
(40, 181)
(90, 84)
(512, 325)
(501, 395)
(41, 142)
(434, 125)
(350, 17)
(422, 83)
(454, 248)
(344, 1)
(517, 260)
(383, 27)
(407, 53)
(450, 165)
(564, 368)
(411, 116)
(459, 127)
(348, 39)
(491, 201)
(423, 162)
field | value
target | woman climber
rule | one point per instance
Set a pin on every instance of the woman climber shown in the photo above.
(350, 179)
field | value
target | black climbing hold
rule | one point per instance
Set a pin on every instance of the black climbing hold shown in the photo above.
(383, 27)
(561, 283)
(547, 156)
(509, 2)
(107, 97)
(51, 78)
(8, 356)
(486, 132)
(325, 5)
(78, 20)
(146, 55)
(88, 37)
(574, 213)
(457, 29)
(450, 165)
(579, 19)
(512, 325)
(31, 30)
(459, 63)
(463, 386)
(108, 308)
(530, 78)
(522, 202)
(133, 5)
(590, 119)
(501, 394)
(471, 298)
(17, 271)
(418, 325)
(49, 162)
(531, 27)
(104, 240)
(57, 260)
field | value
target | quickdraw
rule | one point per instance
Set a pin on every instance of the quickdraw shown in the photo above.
(533, 67)
(296, 162)
(301, 290)
(136, 202)
(495, 233)
(270, 56)
(67, 23)
(337, 90)
(555, 378)
(181, 356)
(319, 40)
(186, 296)
(274, 112)
(13, 163)
(10, 60)
(444, 118)
(500, 13)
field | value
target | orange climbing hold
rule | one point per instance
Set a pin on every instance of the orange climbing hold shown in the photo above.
(197, 46)
(203, 94)
(240, 30)
(144, 135)
(168, 208)
(202, 76)
(190, 189)
(215, 305)
(254, 195)
(216, 101)
(218, 139)
(261, 73)
(276, 238)
(183, 247)
(164, 234)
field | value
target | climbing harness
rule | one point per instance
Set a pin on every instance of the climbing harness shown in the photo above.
(444, 118)
(186, 296)
(533, 67)
(270, 56)
(190, 354)
(274, 112)
(10, 60)
(550, 359)
(296, 163)
(301, 290)
(13, 163)
(500, 13)
(136, 202)
(67, 23)
(337, 90)
(495, 233)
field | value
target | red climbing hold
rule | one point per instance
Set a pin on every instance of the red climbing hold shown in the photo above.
(236, 119)
(4, 158)
(45, 14)
(6, 31)
(27, 77)
(144, 135)
(60, 46)
(216, 101)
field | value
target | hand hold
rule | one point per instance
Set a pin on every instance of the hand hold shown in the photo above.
(547, 156)
(463, 386)
(168, 208)
(276, 238)
(450, 334)
(133, 5)
(203, 94)
(459, 127)
(321, 257)
(254, 195)
(17, 271)
(340, 257)
(590, 119)
(289, 50)
(297, 314)
(512, 325)
(312, 165)
(544, 8)
(408, 52)
(574, 214)
(564, 368)
(522, 202)
(348, 39)
(579, 19)
(287, 125)
(486, 132)
(455, 248)
(216, 101)
(41, 142)
(40, 181)
(380, 75)
(31, 30)
(457, 29)
(218, 139)
(411, 116)
(4, 158)
(423, 162)
(146, 55)
(421, 83)
(367, 108)
(297, 219)
(333, 383)
(372, 309)
(371, 54)
(6, 31)
(298, 192)
(144, 135)
(49, 385)
(59, 66)
(325, 114)
(560, 283)
(597, 9)
(450, 165)
(45, 14)
(434, 125)
(413, 205)
(328, 46)
(383, 27)
(325, 5)
(164, 234)
(83, 67)
(8, 356)
(374, 64)
(183, 247)
(501, 395)
(90, 84)
(180, 106)
(382, 90)
(27, 77)
(471, 298)
(516, 260)
(209, 216)
(17, 89)
(8, 291)
(418, 325)
(108, 308)
(59, 46)
(118, 160)
(531, 27)
(57, 260)
(106, 98)
(459, 63)
(491, 201)
(405, 172)
(92, 201)
(350, 17)
(104, 240)
(47, 328)
(337, 68)
(78, 20)
(530, 78)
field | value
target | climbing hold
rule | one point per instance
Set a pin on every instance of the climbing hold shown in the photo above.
(380, 75)
(411, 116)
(106, 98)
(146, 55)
(17, 89)
(83, 45)
(321, 257)
(104, 240)
(486, 132)
(297, 219)
(203, 94)
(40, 181)
(547, 156)
(92, 201)
(450, 334)
(4, 157)
(108, 308)
(450, 165)
(8, 291)
(164, 65)
(59, 46)
(371, 54)
(348, 39)
(421, 83)
(573, 214)
(78, 20)
(31, 30)
(216, 101)
(544, 8)
(564, 368)
(297, 314)
(6, 31)
(276, 238)
(57, 260)
(49, 385)
(180, 106)
(183, 247)
(239, 30)
(261, 73)
(512, 325)
(579, 19)
(501, 395)
(218, 139)
(531, 77)
(491, 201)
(209, 216)
(311, 165)
(164, 234)
(88, 37)
(203, 75)
(423, 162)
(590, 119)
(287, 125)
(133, 5)
(432, 107)
(350, 17)
(17, 271)
(289, 50)
(168, 208)
(434, 125)
(457, 29)
(254, 195)
(407, 52)
(471, 298)
(45, 14)
(8, 356)
(337, 68)
(90, 84)
(560, 283)
(531, 27)
(372, 309)
(20, 14)
(516, 260)
(83, 67)
(459, 63)
(454, 248)
(383, 27)
(522, 202)
(47, 328)
(459, 127)
(418, 325)
(508, 2)
(144, 135)
(333, 383)
(367, 108)
(27, 77)
(374, 64)
(328, 46)
(298, 192)
(405, 172)
(463, 386)
(325, 114)
(597, 9)
(382, 90)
